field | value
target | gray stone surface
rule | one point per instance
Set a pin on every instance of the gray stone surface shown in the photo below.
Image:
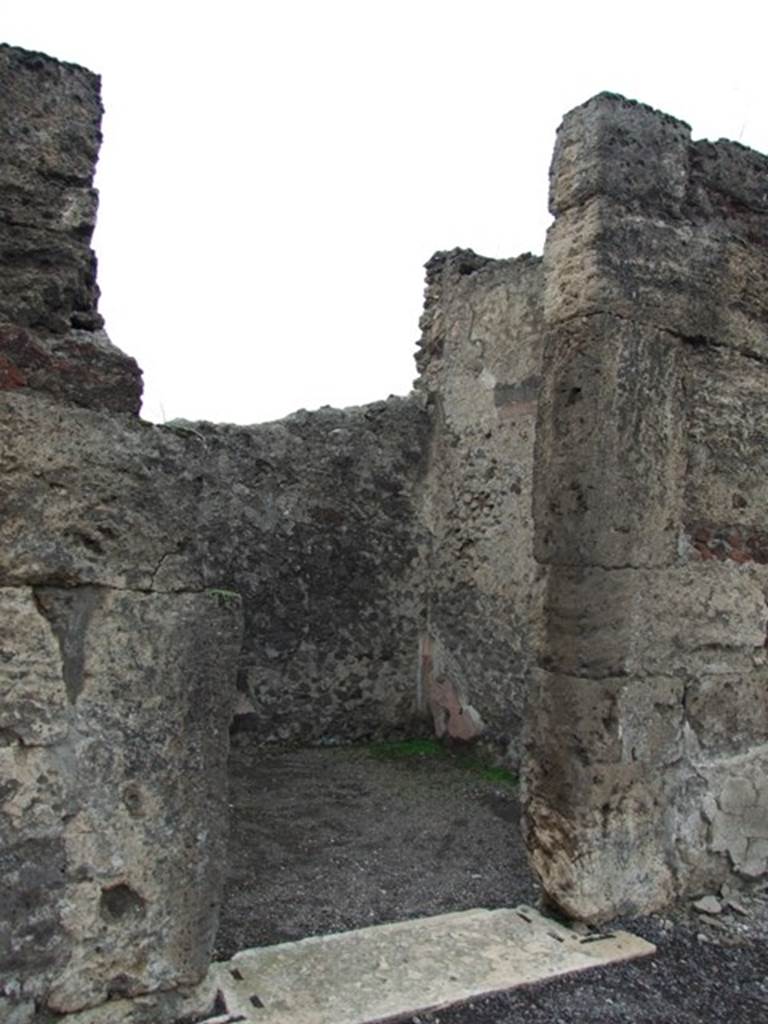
(51, 336)
(112, 768)
(562, 530)
(314, 521)
(645, 773)
(480, 360)
(726, 430)
(609, 450)
(390, 970)
(657, 229)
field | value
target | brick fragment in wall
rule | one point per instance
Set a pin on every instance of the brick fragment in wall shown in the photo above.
(727, 543)
(84, 368)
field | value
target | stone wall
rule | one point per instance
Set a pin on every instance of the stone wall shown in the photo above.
(145, 572)
(647, 766)
(480, 369)
(313, 520)
(51, 335)
(118, 665)
(563, 530)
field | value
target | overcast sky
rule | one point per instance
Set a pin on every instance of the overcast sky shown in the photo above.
(274, 174)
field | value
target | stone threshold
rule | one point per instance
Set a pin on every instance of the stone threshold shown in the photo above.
(391, 971)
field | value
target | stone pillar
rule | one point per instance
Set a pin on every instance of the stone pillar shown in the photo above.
(51, 333)
(117, 665)
(655, 267)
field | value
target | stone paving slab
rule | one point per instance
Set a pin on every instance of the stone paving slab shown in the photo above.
(395, 970)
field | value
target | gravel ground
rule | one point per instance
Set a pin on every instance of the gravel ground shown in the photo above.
(331, 839)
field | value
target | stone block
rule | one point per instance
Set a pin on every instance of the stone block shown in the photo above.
(611, 146)
(609, 447)
(726, 490)
(128, 792)
(727, 714)
(696, 280)
(90, 498)
(684, 621)
(601, 770)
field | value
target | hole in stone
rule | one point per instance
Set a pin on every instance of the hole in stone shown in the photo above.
(236, 974)
(257, 1002)
(120, 986)
(118, 901)
(132, 800)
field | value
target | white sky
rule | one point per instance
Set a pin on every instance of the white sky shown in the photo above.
(275, 172)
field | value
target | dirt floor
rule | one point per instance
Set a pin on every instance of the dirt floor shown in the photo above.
(330, 839)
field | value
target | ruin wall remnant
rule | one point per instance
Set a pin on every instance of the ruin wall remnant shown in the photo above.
(153, 581)
(479, 362)
(647, 768)
(560, 534)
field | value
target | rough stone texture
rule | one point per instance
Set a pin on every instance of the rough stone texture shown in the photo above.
(86, 497)
(123, 544)
(314, 521)
(563, 527)
(609, 452)
(645, 770)
(480, 361)
(726, 430)
(51, 336)
(113, 760)
(710, 618)
(657, 229)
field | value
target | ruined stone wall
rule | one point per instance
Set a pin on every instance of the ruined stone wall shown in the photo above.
(647, 769)
(117, 666)
(480, 368)
(312, 520)
(144, 572)
(51, 333)
(566, 524)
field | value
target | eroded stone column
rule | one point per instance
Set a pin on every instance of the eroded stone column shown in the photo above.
(117, 664)
(654, 267)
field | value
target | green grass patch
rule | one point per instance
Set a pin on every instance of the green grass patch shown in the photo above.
(407, 750)
(500, 775)
(431, 749)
